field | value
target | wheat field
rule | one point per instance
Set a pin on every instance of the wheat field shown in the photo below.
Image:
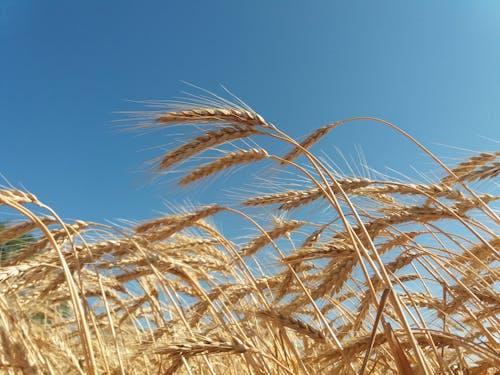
(337, 274)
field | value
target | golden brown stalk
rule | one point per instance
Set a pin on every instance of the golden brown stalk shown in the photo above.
(380, 311)
(230, 160)
(404, 367)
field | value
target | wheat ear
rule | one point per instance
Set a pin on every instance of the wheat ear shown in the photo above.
(204, 142)
(230, 160)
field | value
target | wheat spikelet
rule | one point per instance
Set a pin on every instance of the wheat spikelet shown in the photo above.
(483, 173)
(18, 230)
(423, 300)
(184, 222)
(237, 116)
(465, 168)
(228, 161)
(271, 199)
(176, 220)
(441, 339)
(433, 190)
(279, 230)
(296, 198)
(336, 248)
(209, 139)
(17, 196)
(201, 345)
(293, 323)
(310, 140)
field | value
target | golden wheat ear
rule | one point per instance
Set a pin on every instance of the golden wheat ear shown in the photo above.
(230, 160)
(218, 115)
(205, 142)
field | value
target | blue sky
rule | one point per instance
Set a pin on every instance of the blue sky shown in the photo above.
(68, 67)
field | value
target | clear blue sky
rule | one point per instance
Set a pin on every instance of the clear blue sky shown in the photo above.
(431, 67)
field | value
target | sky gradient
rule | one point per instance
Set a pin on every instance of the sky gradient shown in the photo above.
(67, 68)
